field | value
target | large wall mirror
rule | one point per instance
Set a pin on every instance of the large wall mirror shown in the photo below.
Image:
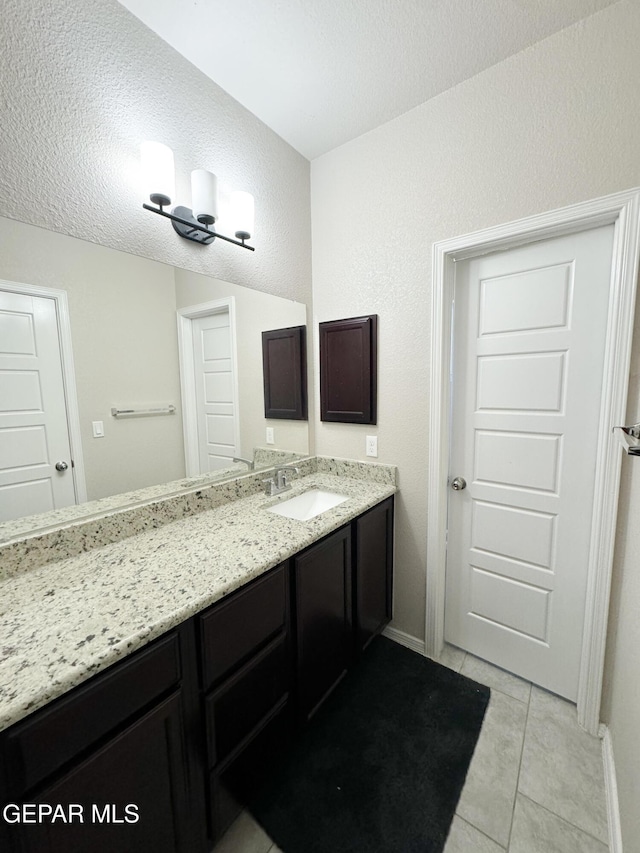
(128, 319)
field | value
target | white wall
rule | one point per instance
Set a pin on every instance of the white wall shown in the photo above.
(556, 124)
(81, 85)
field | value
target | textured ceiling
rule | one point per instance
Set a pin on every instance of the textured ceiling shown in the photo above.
(321, 72)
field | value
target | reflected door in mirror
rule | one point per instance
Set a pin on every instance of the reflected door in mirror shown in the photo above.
(215, 397)
(33, 417)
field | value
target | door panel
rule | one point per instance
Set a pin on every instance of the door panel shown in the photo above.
(517, 459)
(34, 431)
(529, 333)
(532, 299)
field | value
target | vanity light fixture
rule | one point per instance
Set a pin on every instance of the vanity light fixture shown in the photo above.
(195, 223)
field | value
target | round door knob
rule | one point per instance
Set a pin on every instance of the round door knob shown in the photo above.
(61, 466)
(458, 484)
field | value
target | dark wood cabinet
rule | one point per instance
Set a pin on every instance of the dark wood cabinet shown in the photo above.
(122, 749)
(284, 366)
(246, 681)
(323, 614)
(160, 752)
(348, 370)
(136, 783)
(234, 629)
(373, 572)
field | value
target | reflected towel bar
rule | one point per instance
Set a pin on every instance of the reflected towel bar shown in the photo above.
(139, 413)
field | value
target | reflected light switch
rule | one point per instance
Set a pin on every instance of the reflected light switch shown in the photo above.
(98, 429)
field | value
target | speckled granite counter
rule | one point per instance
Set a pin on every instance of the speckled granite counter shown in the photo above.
(66, 620)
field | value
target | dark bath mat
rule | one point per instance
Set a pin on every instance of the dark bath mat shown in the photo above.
(381, 766)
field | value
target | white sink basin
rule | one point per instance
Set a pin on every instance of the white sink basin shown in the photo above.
(308, 504)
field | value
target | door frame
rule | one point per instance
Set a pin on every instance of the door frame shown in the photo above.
(226, 304)
(61, 302)
(623, 211)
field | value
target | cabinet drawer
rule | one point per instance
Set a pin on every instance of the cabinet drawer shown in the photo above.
(236, 708)
(234, 629)
(43, 743)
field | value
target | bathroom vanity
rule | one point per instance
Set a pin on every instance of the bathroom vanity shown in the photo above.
(182, 659)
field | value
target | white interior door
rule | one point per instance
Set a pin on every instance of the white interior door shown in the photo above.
(216, 407)
(529, 336)
(34, 432)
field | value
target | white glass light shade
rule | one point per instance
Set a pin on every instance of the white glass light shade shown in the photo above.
(158, 174)
(242, 214)
(204, 196)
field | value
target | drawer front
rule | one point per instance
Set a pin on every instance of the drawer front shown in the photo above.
(234, 629)
(39, 746)
(239, 706)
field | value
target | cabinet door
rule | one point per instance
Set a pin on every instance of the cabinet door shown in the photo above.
(132, 794)
(323, 618)
(348, 370)
(284, 365)
(373, 579)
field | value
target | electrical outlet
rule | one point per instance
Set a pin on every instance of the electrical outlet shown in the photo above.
(270, 437)
(98, 429)
(372, 445)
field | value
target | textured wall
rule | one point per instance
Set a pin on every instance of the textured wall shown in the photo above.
(554, 125)
(81, 85)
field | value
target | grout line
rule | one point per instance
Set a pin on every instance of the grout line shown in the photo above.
(502, 693)
(605, 844)
(480, 832)
(515, 798)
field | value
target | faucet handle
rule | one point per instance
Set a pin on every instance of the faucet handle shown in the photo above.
(281, 473)
(269, 486)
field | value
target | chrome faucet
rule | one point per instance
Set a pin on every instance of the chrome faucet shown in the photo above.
(279, 483)
(248, 462)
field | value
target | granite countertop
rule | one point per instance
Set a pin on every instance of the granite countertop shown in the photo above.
(64, 621)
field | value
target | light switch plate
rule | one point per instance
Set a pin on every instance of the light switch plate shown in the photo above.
(98, 429)
(270, 438)
(372, 445)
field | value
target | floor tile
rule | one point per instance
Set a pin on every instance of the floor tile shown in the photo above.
(452, 657)
(464, 838)
(496, 678)
(489, 792)
(537, 830)
(244, 836)
(562, 765)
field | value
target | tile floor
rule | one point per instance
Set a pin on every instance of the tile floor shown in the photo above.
(535, 784)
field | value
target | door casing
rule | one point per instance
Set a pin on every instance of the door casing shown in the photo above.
(623, 211)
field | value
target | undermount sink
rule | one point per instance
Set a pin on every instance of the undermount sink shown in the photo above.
(308, 504)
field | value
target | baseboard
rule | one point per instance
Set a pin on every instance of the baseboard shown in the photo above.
(611, 789)
(403, 639)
